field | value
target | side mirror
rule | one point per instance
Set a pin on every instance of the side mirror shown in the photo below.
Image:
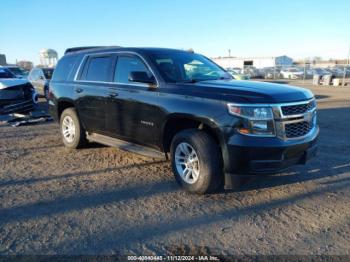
(141, 77)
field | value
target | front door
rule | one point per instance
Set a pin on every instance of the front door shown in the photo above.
(132, 107)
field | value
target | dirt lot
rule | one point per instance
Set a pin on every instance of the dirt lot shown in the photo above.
(101, 200)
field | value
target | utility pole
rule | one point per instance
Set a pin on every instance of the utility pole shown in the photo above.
(344, 73)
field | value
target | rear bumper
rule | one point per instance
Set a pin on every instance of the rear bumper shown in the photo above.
(247, 155)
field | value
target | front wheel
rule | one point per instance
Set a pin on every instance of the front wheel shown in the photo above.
(196, 161)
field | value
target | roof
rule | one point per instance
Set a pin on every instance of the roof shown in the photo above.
(94, 49)
(10, 66)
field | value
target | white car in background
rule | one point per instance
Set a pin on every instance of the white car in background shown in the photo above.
(292, 73)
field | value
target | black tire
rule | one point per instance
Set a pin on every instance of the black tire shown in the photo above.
(80, 137)
(46, 92)
(210, 161)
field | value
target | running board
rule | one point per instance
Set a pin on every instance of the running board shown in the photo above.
(131, 147)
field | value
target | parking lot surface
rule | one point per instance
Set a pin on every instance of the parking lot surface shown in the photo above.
(102, 200)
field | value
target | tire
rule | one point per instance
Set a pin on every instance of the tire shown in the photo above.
(46, 92)
(207, 173)
(76, 137)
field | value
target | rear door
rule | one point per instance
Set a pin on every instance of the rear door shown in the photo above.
(92, 90)
(132, 107)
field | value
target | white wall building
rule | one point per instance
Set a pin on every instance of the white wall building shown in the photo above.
(258, 62)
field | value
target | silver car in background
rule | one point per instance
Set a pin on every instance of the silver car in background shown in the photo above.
(40, 78)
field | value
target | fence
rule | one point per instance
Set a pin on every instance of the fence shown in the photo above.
(337, 75)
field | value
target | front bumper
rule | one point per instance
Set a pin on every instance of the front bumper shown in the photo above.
(247, 154)
(19, 106)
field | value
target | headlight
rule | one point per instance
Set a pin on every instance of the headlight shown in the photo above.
(256, 121)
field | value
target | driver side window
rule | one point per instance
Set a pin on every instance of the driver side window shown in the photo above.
(127, 64)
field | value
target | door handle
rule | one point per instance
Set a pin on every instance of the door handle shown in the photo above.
(78, 90)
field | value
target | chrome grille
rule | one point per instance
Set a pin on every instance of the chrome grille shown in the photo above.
(298, 109)
(295, 120)
(297, 129)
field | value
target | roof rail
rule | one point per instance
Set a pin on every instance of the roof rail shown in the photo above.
(80, 48)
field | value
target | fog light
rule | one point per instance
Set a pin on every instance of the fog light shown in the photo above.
(35, 98)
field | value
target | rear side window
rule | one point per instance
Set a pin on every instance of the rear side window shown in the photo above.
(127, 64)
(98, 69)
(63, 68)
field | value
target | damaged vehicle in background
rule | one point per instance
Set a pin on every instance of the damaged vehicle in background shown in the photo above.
(16, 95)
(17, 71)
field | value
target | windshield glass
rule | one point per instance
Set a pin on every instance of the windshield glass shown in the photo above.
(4, 73)
(17, 71)
(48, 73)
(187, 67)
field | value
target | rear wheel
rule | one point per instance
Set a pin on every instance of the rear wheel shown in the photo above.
(196, 161)
(73, 134)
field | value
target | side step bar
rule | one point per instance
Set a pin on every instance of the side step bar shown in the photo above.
(114, 142)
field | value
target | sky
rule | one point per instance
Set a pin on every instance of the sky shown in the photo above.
(295, 28)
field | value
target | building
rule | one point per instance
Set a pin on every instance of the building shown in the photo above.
(258, 62)
(27, 65)
(3, 60)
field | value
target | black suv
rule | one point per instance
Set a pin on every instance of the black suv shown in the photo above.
(157, 101)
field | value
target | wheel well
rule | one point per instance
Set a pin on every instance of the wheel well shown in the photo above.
(175, 125)
(62, 106)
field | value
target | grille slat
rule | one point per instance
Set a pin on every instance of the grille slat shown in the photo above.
(297, 129)
(298, 109)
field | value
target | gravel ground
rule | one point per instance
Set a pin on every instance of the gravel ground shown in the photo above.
(102, 200)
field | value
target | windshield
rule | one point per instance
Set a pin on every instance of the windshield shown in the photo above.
(17, 71)
(4, 73)
(187, 67)
(48, 73)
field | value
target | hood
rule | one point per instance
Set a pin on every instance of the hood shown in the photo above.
(8, 82)
(252, 91)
